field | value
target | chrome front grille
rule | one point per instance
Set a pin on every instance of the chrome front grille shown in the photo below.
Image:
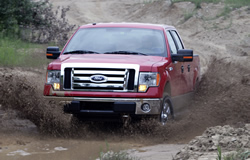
(116, 79)
(100, 79)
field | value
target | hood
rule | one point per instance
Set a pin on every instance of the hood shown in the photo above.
(145, 62)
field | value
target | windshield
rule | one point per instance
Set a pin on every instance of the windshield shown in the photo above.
(118, 41)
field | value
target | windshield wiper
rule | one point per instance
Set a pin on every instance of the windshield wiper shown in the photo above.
(125, 52)
(81, 52)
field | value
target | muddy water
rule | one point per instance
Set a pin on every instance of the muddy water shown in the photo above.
(77, 149)
(58, 149)
(22, 146)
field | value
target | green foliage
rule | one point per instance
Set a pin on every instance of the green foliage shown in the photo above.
(15, 52)
(14, 13)
(197, 2)
(225, 12)
(188, 15)
(219, 153)
(150, 1)
(34, 21)
(231, 3)
(237, 3)
(111, 155)
(239, 155)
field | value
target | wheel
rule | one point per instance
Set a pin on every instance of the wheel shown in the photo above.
(167, 112)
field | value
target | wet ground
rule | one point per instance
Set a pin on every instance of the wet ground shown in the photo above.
(54, 149)
(34, 128)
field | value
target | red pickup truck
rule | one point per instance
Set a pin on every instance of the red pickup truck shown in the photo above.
(110, 70)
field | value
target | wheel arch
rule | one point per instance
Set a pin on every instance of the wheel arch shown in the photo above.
(167, 89)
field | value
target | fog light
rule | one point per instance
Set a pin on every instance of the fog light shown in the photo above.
(56, 86)
(145, 107)
(143, 88)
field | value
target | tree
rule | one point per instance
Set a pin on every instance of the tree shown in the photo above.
(37, 17)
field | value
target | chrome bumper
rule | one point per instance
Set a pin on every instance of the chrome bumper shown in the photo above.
(155, 103)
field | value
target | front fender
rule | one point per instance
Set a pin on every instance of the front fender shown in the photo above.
(165, 79)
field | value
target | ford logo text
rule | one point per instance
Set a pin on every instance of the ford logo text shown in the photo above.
(98, 78)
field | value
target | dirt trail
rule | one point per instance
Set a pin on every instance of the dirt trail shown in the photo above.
(222, 98)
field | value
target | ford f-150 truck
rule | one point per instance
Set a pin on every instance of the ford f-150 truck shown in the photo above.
(109, 70)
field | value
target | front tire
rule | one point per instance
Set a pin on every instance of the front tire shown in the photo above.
(167, 112)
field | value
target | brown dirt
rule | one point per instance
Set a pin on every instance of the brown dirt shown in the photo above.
(229, 139)
(223, 96)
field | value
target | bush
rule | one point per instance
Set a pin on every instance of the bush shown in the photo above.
(34, 21)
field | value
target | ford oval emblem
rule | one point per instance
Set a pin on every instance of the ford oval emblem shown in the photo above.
(98, 78)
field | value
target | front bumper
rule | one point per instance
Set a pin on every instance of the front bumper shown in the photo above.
(155, 103)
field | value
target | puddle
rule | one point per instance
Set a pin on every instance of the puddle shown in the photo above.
(60, 149)
(19, 152)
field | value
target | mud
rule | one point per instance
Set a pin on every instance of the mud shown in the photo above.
(30, 146)
(230, 140)
(25, 97)
(222, 98)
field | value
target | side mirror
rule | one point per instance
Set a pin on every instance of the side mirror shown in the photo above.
(183, 55)
(53, 52)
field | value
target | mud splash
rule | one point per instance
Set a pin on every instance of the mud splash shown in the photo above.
(223, 97)
(21, 93)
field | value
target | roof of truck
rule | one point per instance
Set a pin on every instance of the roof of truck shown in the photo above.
(129, 25)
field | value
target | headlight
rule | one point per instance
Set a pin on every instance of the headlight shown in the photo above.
(148, 79)
(53, 77)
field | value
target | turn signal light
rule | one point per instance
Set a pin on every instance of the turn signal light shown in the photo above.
(49, 54)
(158, 79)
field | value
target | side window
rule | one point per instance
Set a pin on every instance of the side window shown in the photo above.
(177, 39)
(172, 46)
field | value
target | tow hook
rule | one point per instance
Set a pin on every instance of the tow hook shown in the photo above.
(126, 119)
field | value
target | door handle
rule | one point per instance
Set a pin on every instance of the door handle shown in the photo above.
(182, 69)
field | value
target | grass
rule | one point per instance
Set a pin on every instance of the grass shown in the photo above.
(121, 155)
(197, 2)
(239, 155)
(237, 3)
(229, 3)
(17, 53)
(188, 15)
(150, 1)
(225, 12)
(218, 153)
(111, 155)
